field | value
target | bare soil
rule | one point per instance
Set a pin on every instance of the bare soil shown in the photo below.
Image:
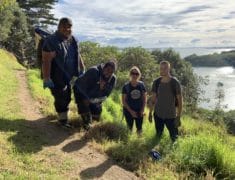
(63, 145)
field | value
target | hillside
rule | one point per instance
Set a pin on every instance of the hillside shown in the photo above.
(213, 60)
(34, 147)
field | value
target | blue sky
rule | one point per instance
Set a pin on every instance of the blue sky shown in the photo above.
(152, 23)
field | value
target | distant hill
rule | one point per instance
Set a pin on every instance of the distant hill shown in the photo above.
(213, 60)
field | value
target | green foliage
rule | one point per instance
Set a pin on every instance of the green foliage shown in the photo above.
(140, 57)
(205, 152)
(14, 35)
(93, 54)
(43, 96)
(108, 131)
(8, 84)
(229, 119)
(202, 147)
(214, 60)
(18, 39)
(6, 18)
(38, 12)
(19, 137)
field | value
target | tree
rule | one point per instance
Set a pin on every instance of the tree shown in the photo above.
(219, 96)
(93, 54)
(18, 39)
(140, 57)
(6, 18)
(14, 34)
(38, 14)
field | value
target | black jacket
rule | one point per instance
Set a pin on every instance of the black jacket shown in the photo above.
(88, 83)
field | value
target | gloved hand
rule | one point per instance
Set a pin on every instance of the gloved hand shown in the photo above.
(150, 117)
(48, 84)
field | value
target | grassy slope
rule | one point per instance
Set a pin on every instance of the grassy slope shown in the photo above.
(203, 149)
(19, 144)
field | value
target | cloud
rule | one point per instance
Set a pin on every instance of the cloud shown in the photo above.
(151, 23)
(195, 40)
(194, 9)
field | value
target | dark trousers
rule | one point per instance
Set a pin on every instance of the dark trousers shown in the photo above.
(170, 124)
(85, 107)
(130, 121)
(62, 98)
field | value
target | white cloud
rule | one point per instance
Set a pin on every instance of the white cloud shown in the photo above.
(152, 23)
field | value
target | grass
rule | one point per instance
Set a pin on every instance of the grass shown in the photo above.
(204, 149)
(43, 96)
(20, 144)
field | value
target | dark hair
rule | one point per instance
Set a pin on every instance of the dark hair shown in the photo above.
(64, 21)
(111, 63)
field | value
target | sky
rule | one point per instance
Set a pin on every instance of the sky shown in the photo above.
(152, 23)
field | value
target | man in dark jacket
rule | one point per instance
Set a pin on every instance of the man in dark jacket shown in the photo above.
(61, 61)
(92, 88)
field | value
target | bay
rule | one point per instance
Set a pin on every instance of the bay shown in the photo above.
(225, 75)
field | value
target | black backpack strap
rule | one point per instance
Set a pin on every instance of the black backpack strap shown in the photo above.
(157, 84)
(173, 85)
(174, 81)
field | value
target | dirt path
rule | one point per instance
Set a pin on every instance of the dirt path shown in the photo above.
(88, 163)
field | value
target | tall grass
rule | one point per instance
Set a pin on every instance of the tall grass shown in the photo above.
(43, 96)
(205, 152)
(19, 142)
(203, 149)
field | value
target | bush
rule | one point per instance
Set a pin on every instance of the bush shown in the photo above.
(202, 153)
(230, 121)
(108, 131)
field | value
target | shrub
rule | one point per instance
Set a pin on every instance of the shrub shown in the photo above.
(202, 153)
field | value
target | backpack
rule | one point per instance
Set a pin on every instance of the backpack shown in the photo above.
(173, 87)
(40, 36)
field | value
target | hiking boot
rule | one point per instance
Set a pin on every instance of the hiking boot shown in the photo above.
(86, 126)
(139, 133)
(87, 119)
(64, 123)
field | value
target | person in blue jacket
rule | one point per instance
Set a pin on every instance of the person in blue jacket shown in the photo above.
(61, 61)
(92, 88)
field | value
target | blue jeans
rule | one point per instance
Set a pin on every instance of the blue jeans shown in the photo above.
(170, 125)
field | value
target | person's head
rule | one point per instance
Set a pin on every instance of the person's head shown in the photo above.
(135, 73)
(108, 69)
(165, 68)
(65, 27)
